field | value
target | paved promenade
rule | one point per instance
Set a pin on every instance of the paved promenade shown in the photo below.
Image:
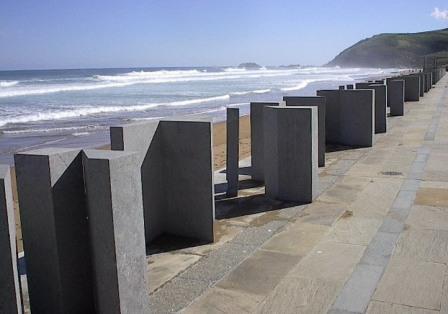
(375, 240)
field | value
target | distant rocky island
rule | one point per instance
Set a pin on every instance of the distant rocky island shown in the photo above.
(397, 50)
(249, 65)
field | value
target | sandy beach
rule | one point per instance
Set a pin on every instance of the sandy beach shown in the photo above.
(219, 156)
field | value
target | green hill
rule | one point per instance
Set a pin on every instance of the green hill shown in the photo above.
(394, 50)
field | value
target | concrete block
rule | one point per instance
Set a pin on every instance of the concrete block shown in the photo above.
(396, 96)
(349, 117)
(257, 138)
(412, 88)
(318, 102)
(341, 87)
(55, 230)
(291, 161)
(380, 105)
(422, 84)
(115, 207)
(176, 162)
(10, 294)
(232, 156)
(350, 86)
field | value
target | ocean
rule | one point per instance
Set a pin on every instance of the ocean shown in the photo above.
(74, 108)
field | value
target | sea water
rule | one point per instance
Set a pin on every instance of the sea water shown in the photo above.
(75, 108)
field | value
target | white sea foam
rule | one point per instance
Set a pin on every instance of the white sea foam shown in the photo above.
(53, 130)
(91, 110)
(8, 83)
(257, 91)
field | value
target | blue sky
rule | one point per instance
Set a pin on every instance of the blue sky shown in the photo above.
(41, 34)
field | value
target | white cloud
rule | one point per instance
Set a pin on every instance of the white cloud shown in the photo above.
(440, 14)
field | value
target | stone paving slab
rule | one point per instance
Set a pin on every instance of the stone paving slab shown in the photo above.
(413, 283)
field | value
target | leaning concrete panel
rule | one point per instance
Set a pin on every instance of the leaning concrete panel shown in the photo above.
(257, 138)
(177, 175)
(114, 199)
(10, 294)
(318, 102)
(395, 95)
(291, 161)
(55, 230)
(380, 105)
(232, 150)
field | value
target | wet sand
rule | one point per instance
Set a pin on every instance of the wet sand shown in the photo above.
(219, 156)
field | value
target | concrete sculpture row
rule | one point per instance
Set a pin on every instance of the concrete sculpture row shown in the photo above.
(87, 216)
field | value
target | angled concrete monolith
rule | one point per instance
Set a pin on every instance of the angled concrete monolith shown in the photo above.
(232, 150)
(380, 104)
(291, 153)
(257, 138)
(395, 96)
(341, 87)
(177, 174)
(10, 294)
(349, 117)
(55, 230)
(114, 199)
(350, 86)
(318, 102)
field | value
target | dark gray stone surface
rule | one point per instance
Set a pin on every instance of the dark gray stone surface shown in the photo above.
(177, 175)
(115, 207)
(232, 151)
(55, 230)
(380, 105)
(412, 87)
(257, 138)
(290, 153)
(10, 294)
(319, 102)
(349, 117)
(396, 96)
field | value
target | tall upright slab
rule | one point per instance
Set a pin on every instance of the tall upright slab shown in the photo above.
(380, 105)
(349, 117)
(114, 198)
(422, 84)
(318, 102)
(412, 88)
(10, 294)
(291, 161)
(233, 150)
(396, 96)
(257, 138)
(176, 164)
(55, 230)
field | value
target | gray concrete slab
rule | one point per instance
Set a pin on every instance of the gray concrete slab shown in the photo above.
(115, 207)
(55, 230)
(257, 138)
(232, 150)
(290, 155)
(396, 96)
(177, 175)
(412, 87)
(319, 102)
(10, 292)
(380, 105)
(350, 117)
